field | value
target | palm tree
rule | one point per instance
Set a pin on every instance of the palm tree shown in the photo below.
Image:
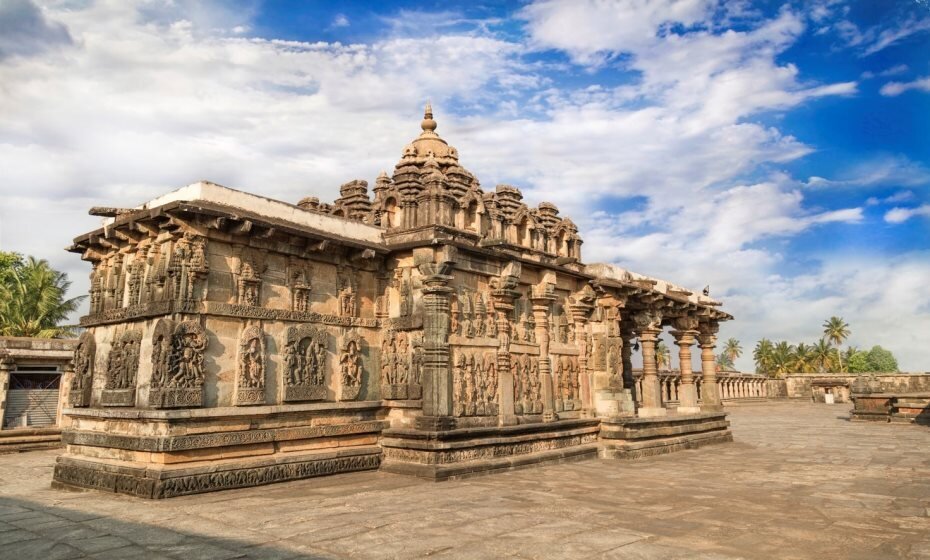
(762, 354)
(32, 301)
(782, 358)
(663, 355)
(835, 330)
(733, 350)
(822, 355)
(803, 358)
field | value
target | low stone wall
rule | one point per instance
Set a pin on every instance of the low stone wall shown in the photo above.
(815, 386)
(913, 408)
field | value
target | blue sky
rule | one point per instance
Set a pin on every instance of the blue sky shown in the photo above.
(775, 150)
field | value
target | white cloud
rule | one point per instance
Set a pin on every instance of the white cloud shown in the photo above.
(884, 170)
(879, 37)
(892, 89)
(898, 215)
(340, 21)
(141, 103)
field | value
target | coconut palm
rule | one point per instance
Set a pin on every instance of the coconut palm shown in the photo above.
(762, 354)
(836, 331)
(32, 301)
(822, 355)
(803, 358)
(732, 349)
(782, 358)
(663, 355)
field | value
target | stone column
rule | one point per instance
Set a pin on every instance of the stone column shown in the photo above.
(437, 375)
(504, 294)
(648, 324)
(684, 333)
(5, 367)
(626, 355)
(542, 306)
(710, 390)
(581, 307)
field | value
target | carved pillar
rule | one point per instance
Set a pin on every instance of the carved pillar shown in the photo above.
(648, 325)
(5, 367)
(686, 330)
(626, 356)
(437, 375)
(709, 389)
(542, 305)
(504, 294)
(581, 307)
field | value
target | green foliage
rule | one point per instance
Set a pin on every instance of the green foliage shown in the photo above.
(724, 362)
(882, 360)
(663, 355)
(32, 299)
(858, 362)
(781, 358)
(762, 354)
(9, 262)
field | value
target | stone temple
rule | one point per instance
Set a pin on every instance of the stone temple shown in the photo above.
(429, 328)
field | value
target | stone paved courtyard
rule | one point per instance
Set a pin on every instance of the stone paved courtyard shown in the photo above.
(800, 482)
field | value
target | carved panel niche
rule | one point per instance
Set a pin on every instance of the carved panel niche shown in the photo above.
(348, 292)
(474, 384)
(188, 267)
(250, 374)
(248, 267)
(122, 367)
(401, 365)
(566, 376)
(82, 384)
(305, 363)
(527, 387)
(298, 275)
(350, 366)
(177, 364)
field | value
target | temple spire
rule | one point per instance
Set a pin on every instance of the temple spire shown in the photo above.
(428, 124)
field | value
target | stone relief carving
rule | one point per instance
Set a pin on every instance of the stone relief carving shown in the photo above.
(305, 363)
(566, 374)
(527, 387)
(122, 367)
(248, 267)
(188, 267)
(250, 377)
(82, 384)
(474, 384)
(350, 366)
(299, 274)
(177, 364)
(396, 365)
(348, 292)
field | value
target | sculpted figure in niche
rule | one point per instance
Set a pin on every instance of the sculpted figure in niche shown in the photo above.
(188, 264)
(84, 356)
(304, 363)
(350, 362)
(177, 364)
(251, 376)
(455, 327)
(123, 361)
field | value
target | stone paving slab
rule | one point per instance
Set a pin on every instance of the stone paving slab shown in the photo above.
(800, 481)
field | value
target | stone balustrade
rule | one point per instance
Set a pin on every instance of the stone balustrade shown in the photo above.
(732, 385)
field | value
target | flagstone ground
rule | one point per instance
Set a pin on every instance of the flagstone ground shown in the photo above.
(801, 481)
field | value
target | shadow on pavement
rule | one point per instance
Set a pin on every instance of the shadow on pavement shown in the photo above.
(34, 531)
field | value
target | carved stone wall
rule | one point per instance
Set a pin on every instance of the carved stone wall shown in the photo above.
(82, 383)
(475, 384)
(351, 369)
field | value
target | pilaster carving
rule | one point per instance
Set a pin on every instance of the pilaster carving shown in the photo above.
(250, 375)
(82, 383)
(350, 366)
(122, 367)
(177, 364)
(437, 375)
(305, 363)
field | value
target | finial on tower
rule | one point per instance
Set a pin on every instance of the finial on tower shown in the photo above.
(428, 124)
